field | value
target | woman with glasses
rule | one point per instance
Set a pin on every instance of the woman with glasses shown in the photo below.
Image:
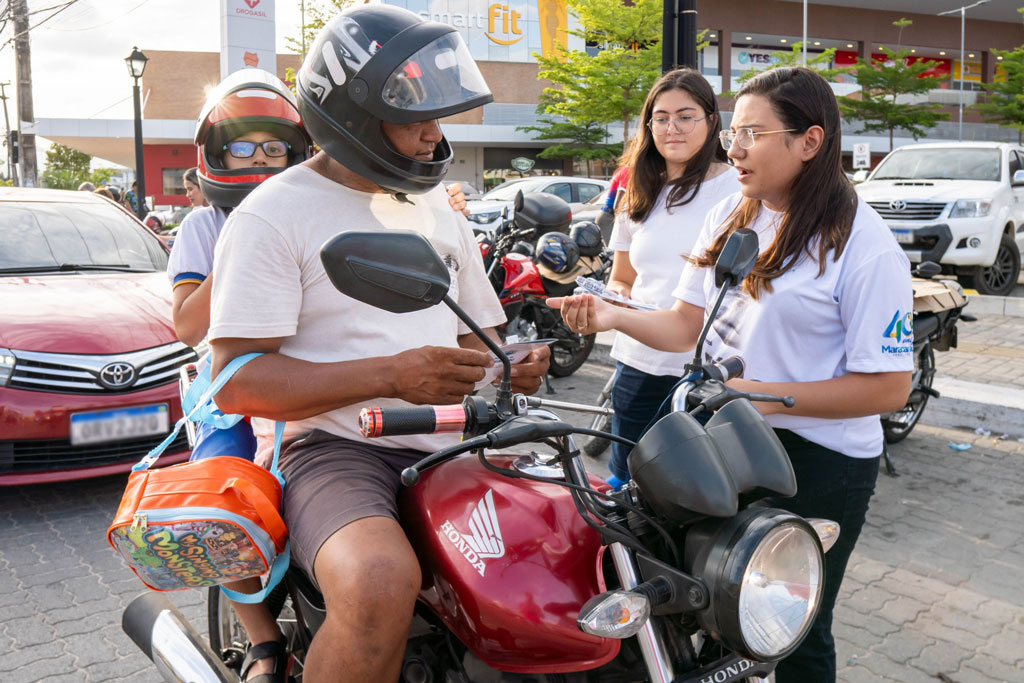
(824, 315)
(677, 172)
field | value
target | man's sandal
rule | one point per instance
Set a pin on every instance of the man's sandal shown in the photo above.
(278, 650)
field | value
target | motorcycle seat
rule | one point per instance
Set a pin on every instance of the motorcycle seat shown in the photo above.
(925, 325)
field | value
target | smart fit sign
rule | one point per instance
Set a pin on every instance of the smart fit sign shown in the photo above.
(247, 36)
(503, 30)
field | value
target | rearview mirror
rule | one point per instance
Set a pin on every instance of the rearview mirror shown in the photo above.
(861, 175)
(395, 270)
(927, 269)
(737, 258)
(1018, 178)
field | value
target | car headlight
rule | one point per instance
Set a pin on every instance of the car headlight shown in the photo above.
(764, 569)
(7, 361)
(970, 208)
(484, 217)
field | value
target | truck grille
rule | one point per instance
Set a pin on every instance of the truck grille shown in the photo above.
(43, 455)
(95, 374)
(911, 211)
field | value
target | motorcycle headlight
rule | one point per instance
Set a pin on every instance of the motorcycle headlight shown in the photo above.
(764, 569)
(970, 208)
(7, 361)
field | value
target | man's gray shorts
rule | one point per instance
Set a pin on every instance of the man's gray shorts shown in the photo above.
(331, 482)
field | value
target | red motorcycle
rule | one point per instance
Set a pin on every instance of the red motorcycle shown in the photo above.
(533, 570)
(533, 255)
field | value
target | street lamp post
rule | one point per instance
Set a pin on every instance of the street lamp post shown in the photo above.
(136, 62)
(962, 11)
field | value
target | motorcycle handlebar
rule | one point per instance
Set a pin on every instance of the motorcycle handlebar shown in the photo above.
(376, 422)
(728, 369)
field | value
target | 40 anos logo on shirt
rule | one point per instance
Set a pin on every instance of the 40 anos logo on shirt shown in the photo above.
(901, 330)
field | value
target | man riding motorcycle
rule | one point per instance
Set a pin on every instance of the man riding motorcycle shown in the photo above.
(370, 93)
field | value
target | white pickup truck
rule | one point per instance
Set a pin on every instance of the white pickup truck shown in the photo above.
(959, 204)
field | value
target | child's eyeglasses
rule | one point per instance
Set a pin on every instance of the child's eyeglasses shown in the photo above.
(241, 149)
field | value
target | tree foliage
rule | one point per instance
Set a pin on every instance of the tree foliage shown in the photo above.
(877, 104)
(589, 92)
(317, 14)
(67, 168)
(1005, 104)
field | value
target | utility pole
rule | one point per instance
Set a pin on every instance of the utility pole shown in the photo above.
(678, 34)
(23, 67)
(7, 135)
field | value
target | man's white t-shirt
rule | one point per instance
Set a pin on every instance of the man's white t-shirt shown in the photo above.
(269, 282)
(656, 249)
(191, 258)
(856, 317)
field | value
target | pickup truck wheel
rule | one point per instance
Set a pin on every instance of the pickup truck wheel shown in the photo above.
(1000, 278)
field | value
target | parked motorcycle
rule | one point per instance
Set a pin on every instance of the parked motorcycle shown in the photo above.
(532, 569)
(938, 307)
(530, 258)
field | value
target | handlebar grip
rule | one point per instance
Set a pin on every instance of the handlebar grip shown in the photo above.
(729, 368)
(375, 422)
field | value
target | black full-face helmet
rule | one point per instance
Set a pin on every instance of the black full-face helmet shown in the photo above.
(375, 63)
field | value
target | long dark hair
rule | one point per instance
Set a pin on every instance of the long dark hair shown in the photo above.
(646, 165)
(822, 202)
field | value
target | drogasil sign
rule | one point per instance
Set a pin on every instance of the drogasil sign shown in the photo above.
(248, 8)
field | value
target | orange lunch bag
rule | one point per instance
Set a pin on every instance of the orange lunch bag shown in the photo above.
(205, 522)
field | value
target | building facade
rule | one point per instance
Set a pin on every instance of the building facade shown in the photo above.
(504, 34)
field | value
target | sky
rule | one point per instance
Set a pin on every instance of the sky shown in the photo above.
(78, 68)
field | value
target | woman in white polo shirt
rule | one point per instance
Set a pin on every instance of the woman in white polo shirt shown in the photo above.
(822, 317)
(677, 173)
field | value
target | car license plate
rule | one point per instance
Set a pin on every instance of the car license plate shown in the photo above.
(903, 236)
(119, 424)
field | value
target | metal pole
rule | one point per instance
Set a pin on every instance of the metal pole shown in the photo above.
(140, 168)
(7, 128)
(963, 66)
(803, 58)
(668, 35)
(688, 33)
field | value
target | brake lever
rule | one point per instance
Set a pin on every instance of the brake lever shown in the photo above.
(787, 401)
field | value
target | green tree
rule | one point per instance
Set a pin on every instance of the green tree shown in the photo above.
(67, 168)
(1005, 100)
(590, 91)
(877, 104)
(820, 62)
(584, 141)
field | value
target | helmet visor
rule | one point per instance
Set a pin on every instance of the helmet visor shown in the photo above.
(439, 76)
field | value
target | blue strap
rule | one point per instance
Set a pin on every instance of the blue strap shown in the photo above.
(200, 404)
(277, 570)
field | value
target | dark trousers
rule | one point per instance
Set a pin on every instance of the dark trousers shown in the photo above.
(636, 398)
(832, 486)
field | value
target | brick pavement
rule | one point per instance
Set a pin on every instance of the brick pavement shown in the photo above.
(990, 351)
(932, 593)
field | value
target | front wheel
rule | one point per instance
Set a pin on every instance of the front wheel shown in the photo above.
(897, 426)
(1000, 278)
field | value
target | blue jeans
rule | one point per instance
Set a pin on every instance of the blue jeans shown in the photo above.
(832, 486)
(636, 398)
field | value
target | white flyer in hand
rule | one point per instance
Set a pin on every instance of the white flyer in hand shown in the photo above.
(516, 353)
(588, 285)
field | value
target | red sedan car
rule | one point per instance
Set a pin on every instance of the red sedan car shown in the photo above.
(88, 356)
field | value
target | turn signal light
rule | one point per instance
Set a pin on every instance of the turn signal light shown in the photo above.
(616, 614)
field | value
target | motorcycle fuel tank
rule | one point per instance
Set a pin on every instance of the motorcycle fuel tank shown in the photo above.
(507, 564)
(521, 275)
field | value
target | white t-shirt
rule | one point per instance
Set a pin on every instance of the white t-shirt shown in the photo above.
(656, 249)
(191, 258)
(856, 317)
(269, 282)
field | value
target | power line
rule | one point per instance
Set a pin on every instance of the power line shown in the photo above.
(111, 21)
(63, 7)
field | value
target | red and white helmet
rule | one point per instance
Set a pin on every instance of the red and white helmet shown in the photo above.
(247, 100)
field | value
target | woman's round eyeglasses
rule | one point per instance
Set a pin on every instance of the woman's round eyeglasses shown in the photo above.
(682, 124)
(744, 137)
(240, 149)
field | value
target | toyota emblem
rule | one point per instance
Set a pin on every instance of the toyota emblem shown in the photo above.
(897, 205)
(117, 375)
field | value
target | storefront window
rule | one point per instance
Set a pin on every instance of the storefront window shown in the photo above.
(173, 181)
